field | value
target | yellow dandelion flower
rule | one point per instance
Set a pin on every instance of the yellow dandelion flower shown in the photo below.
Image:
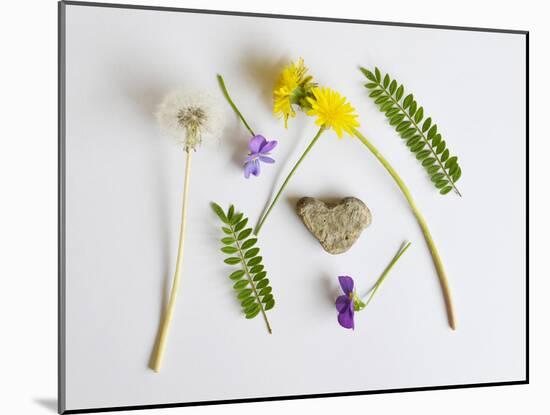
(290, 88)
(332, 111)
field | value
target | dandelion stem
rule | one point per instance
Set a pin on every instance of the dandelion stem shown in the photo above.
(268, 211)
(156, 360)
(226, 94)
(423, 225)
(387, 270)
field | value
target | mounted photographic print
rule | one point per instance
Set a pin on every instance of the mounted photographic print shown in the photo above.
(258, 207)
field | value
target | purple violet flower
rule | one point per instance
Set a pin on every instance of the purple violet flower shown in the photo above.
(259, 149)
(345, 303)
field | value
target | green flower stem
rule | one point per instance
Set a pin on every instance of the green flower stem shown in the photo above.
(386, 271)
(158, 353)
(423, 225)
(226, 94)
(309, 147)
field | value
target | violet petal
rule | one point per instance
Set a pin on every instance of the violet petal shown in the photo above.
(342, 303)
(256, 167)
(248, 167)
(346, 319)
(266, 159)
(268, 146)
(346, 283)
(256, 143)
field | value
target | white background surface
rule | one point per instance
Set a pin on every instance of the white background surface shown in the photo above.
(123, 194)
(28, 301)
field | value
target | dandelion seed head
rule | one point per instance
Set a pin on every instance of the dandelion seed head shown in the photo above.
(190, 117)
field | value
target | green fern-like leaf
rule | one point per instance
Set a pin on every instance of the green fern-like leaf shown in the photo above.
(421, 135)
(250, 281)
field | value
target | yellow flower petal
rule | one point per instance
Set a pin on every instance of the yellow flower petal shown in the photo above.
(292, 77)
(332, 111)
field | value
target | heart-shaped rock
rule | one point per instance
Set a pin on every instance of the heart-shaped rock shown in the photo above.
(335, 225)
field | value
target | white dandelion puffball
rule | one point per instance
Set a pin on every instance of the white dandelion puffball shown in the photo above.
(190, 117)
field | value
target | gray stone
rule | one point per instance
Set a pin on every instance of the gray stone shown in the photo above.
(335, 225)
